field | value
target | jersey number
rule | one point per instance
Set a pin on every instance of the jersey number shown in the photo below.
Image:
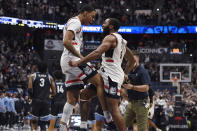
(60, 89)
(42, 82)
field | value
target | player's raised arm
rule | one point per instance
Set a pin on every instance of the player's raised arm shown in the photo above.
(108, 42)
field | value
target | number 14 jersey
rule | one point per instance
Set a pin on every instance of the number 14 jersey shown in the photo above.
(60, 92)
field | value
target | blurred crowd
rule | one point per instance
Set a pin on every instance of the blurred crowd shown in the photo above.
(15, 110)
(135, 12)
(165, 103)
(18, 108)
(17, 56)
(17, 62)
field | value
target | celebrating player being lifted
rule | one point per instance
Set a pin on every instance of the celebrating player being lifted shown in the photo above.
(77, 76)
(113, 49)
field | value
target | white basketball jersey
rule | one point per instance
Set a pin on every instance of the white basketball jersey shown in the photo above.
(73, 24)
(112, 60)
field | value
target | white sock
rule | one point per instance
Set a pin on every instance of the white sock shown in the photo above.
(107, 116)
(67, 112)
(84, 125)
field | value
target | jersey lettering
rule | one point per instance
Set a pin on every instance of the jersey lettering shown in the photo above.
(41, 86)
(42, 82)
(60, 89)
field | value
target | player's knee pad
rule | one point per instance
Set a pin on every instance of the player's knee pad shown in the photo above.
(67, 112)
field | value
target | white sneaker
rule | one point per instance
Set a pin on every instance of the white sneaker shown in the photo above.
(158, 129)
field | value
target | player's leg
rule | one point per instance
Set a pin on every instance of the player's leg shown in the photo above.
(93, 125)
(99, 117)
(85, 96)
(59, 112)
(1, 119)
(44, 114)
(98, 82)
(90, 74)
(153, 125)
(52, 125)
(35, 114)
(135, 128)
(99, 125)
(73, 85)
(113, 104)
(112, 90)
(53, 115)
(53, 119)
(72, 99)
(34, 124)
(91, 116)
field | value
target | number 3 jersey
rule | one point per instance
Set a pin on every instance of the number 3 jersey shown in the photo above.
(41, 86)
(60, 96)
(112, 60)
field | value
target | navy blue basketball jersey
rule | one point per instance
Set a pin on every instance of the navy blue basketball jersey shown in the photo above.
(60, 92)
(41, 86)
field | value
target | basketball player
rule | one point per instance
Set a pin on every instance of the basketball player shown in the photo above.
(113, 48)
(39, 86)
(151, 110)
(58, 100)
(76, 77)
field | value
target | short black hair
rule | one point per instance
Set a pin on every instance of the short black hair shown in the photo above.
(115, 22)
(42, 67)
(58, 74)
(87, 8)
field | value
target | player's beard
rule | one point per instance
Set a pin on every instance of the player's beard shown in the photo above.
(106, 31)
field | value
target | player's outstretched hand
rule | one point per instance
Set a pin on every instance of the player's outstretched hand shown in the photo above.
(74, 63)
